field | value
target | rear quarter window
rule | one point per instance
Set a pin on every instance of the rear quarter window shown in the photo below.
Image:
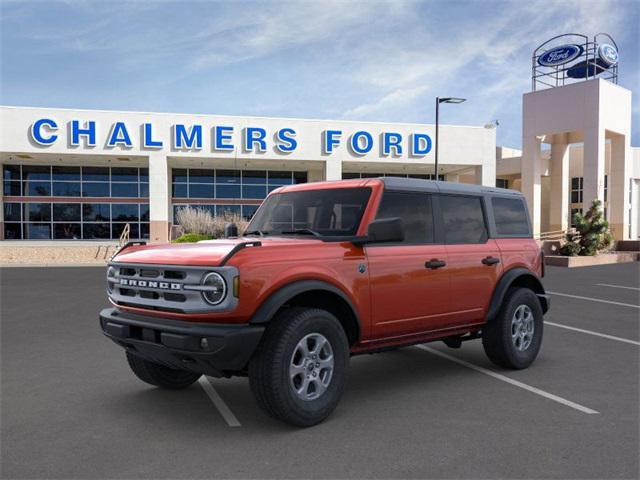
(463, 219)
(511, 217)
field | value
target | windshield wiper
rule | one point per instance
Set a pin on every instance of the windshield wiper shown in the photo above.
(302, 231)
(255, 232)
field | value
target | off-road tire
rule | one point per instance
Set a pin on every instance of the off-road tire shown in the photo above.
(159, 375)
(497, 335)
(269, 367)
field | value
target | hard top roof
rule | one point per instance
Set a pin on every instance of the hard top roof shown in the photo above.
(416, 184)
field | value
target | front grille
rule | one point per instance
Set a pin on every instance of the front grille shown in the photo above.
(165, 288)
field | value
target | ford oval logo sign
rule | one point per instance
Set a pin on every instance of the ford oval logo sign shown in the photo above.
(560, 55)
(608, 54)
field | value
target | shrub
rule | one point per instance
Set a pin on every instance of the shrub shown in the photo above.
(591, 235)
(192, 238)
(201, 222)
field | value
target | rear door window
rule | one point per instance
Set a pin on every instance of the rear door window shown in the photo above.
(463, 219)
(511, 216)
(415, 211)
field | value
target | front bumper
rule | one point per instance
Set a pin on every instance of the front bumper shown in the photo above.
(180, 345)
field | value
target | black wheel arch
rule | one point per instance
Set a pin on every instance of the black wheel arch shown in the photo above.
(516, 277)
(315, 294)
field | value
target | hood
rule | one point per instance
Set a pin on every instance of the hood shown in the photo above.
(205, 253)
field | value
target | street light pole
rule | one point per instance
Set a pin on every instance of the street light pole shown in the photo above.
(437, 142)
(438, 102)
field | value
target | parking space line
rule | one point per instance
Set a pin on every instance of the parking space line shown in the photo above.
(603, 335)
(217, 400)
(511, 381)
(594, 299)
(616, 286)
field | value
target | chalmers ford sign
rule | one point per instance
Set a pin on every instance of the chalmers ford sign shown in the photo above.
(45, 132)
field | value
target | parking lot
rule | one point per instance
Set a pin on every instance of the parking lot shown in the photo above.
(72, 409)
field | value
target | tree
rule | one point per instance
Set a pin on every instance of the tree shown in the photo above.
(591, 235)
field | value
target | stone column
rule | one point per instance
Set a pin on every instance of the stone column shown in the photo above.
(452, 177)
(618, 188)
(159, 197)
(531, 181)
(593, 166)
(486, 174)
(332, 169)
(559, 204)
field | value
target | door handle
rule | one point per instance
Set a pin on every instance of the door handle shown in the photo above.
(435, 263)
(490, 260)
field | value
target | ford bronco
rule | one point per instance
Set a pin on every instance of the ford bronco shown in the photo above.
(329, 270)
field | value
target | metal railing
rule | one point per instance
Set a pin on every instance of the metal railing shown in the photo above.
(554, 235)
(124, 236)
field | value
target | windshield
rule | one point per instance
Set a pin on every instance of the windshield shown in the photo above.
(326, 212)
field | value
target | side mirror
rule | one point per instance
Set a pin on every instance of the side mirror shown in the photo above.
(230, 230)
(385, 230)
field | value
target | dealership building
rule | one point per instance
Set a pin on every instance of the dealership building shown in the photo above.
(86, 174)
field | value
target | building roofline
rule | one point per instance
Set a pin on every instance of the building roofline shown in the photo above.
(18, 107)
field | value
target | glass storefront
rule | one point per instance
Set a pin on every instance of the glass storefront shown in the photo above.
(209, 188)
(114, 197)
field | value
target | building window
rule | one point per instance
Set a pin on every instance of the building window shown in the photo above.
(502, 183)
(576, 189)
(64, 213)
(425, 176)
(63, 181)
(216, 186)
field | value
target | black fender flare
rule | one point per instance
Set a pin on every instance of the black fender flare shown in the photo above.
(507, 279)
(277, 299)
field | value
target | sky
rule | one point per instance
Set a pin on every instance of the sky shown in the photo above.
(343, 60)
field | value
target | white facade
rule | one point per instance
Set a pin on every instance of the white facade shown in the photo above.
(166, 143)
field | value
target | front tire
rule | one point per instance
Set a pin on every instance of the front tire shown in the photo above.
(159, 375)
(513, 338)
(299, 370)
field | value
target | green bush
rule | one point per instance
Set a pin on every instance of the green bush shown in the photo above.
(192, 238)
(591, 235)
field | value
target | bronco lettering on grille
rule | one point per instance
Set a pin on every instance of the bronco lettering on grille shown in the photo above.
(150, 284)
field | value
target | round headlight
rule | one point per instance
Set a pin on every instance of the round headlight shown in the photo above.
(216, 288)
(111, 273)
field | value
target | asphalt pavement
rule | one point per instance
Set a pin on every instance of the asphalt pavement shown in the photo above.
(70, 407)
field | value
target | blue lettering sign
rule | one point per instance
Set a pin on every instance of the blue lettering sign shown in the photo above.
(608, 54)
(330, 139)
(147, 138)
(89, 131)
(186, 139)
(37, 134)
(358, 147)
(255, 136)
(420, 144)
(560, 55)
(222, 136)
(286, 140)
(119, 136)
(391, 140)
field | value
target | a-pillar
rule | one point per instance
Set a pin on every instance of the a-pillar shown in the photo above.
(559, 169)
(618, 188)
(593, 167)
(159, 198)
(531, 181)
(332, 169)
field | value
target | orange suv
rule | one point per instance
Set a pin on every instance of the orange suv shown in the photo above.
(329, 270)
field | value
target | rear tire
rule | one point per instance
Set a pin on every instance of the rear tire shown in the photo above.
(299, 371)
(513, 338)
(159, 375)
